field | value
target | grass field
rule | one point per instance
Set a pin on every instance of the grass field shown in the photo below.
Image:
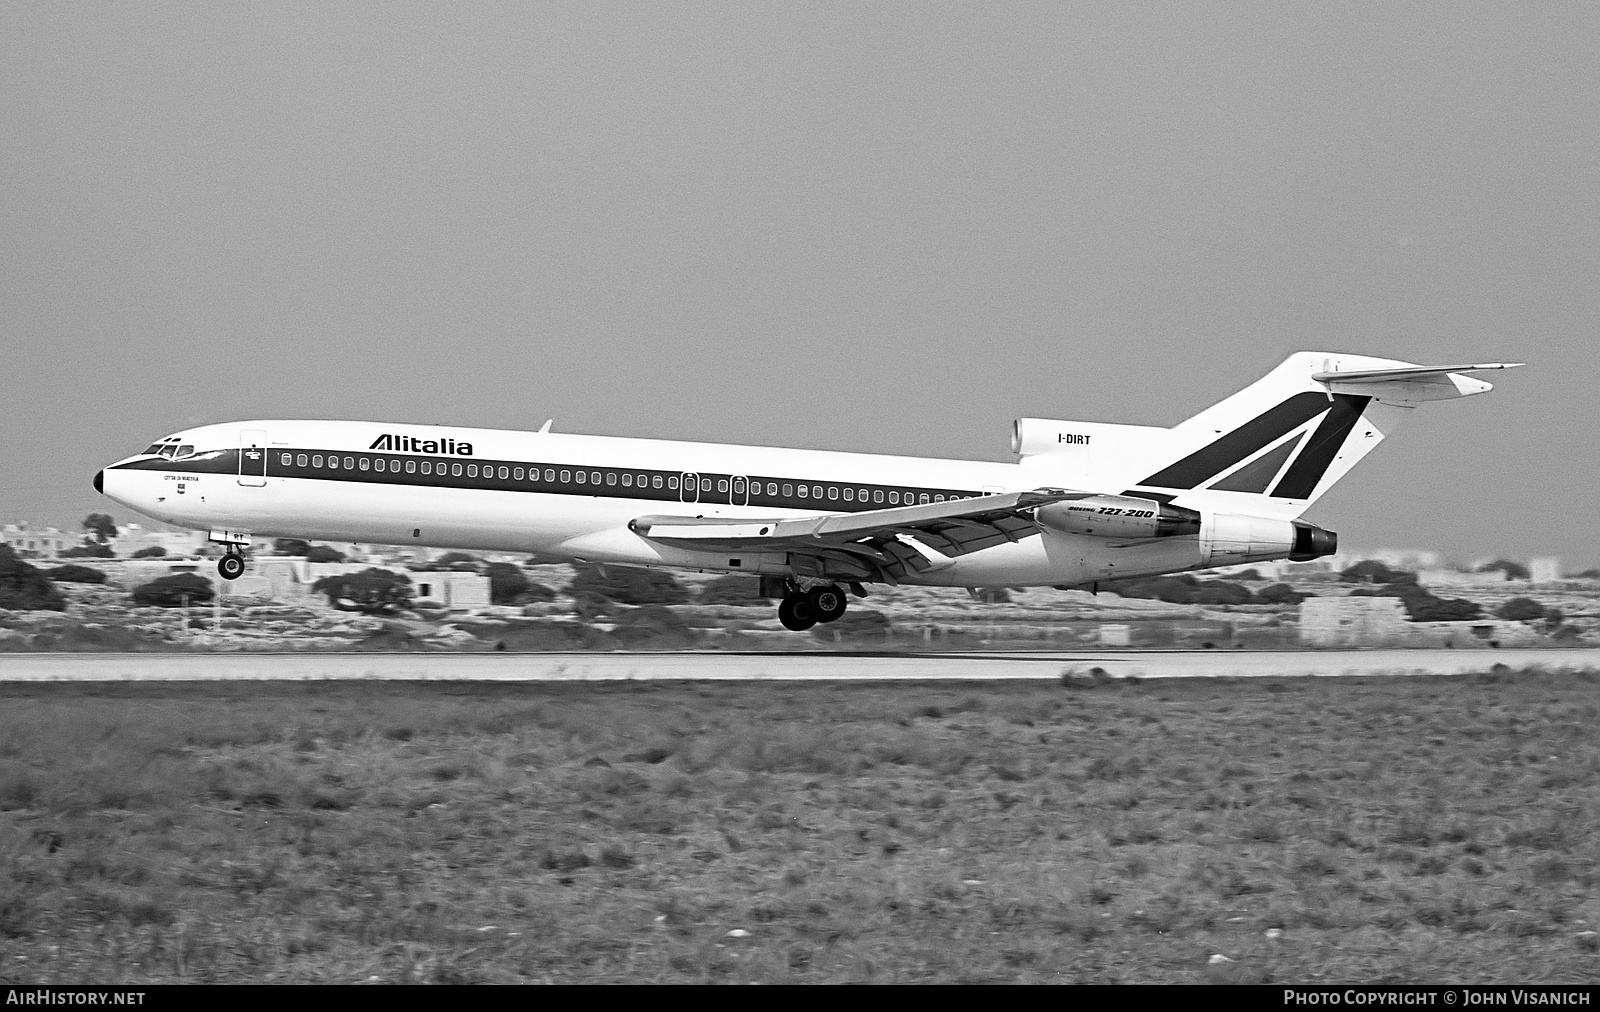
(1332, 830)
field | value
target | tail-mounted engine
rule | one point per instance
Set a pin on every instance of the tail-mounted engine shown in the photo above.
(1119, 516)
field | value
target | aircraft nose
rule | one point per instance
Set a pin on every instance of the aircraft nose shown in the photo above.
(100, 482)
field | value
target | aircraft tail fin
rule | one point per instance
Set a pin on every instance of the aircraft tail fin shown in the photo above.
(1278, 445)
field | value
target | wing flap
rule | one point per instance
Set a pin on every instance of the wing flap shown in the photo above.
(870, 544)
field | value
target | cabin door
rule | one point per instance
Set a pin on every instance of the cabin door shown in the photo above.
(252, 457)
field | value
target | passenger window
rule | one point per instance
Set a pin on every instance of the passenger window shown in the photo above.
(923, 500)
(849, 495)
(672, 482)
(411, 467)
(705, 484)
(516, 475)
(816, 491)
(286, 459)
(583, 479)
(455, 469)
(877, 495)
(863, 495)
(301, 460)
(894, 498)
(594, 477)
(833, 493)
(472, 470)
(427, 467)
(506, 472)
(379, 464)
(627, 481)
(349, 463)
(772, 488)
(804, 491)
(738, 485)
(566, 476)
(364, 464)
(655, 482)
(550, 474)
(722, 485)
(938, 498)
(788, 490)
(316, 460)
(611, 477)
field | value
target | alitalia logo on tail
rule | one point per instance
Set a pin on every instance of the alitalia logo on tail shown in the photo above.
(411, 444)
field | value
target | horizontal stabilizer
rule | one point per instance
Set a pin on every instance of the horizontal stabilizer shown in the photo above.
(1413, 372)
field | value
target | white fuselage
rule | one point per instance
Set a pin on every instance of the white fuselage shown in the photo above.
(526, 497)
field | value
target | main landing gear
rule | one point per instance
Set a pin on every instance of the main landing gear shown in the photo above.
(231, 565)
(801, 610)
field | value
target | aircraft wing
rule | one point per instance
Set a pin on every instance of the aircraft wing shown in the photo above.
(882, 544)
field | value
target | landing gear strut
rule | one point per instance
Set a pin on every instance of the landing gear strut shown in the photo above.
(801, 610)
(231, 565)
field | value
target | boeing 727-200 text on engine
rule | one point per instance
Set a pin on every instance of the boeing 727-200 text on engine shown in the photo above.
(1083, 502)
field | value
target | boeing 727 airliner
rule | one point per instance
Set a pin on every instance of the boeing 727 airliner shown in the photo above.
(1083, 502)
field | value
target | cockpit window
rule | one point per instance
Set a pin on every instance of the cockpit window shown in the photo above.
(186, 450)
(153, 448)
(169, 450)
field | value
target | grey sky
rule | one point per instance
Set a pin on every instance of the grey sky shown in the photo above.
(887, 227)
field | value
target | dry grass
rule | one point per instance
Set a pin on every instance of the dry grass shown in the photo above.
(1390, 830)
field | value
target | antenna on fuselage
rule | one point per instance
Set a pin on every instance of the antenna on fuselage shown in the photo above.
(545, 428)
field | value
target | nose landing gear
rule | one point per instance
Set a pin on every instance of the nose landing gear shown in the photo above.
(231, 565)
(801, 610)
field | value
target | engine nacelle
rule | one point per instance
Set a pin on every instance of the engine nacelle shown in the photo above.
(1119, 516)
(1229, 538)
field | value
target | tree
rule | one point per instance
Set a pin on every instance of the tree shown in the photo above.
(1422, 606)
(1520, 609)
(459, 562)
(732, 590)
(371, 591)
(100, 527)
(627, 585)
(24, 588)
(174, 591)
(75, 574)
(290, 546)
(153, 552)
(1512, 570)
(506, 582)
(322, 553)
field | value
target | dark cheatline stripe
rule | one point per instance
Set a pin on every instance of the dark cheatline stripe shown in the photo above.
(1213, 459)
(1256, 475)
(1322, 447)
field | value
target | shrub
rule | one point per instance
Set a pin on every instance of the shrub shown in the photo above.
(459, 562)
(75, 574)
(1373, 571)
(1422, 606)
(93, 550)
(153, 552)
(371, 591)
(627, 585)
(1520, 609)
(1221, 592)
(291, 546)
(653, 626)
(171, 591)
(732, 590)
(1280, 593)
(24, 588)
(322, 553)
(1512, 570)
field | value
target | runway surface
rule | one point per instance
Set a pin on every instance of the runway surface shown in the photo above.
(87, 667)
